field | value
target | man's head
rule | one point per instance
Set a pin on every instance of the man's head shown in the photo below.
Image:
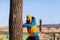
(29, 18)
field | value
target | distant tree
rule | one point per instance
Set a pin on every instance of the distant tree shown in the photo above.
(15, 20)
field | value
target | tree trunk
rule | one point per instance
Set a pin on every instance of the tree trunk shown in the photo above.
(40, 25)
(15, 20)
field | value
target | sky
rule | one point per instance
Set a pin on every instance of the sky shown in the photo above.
(46, 10)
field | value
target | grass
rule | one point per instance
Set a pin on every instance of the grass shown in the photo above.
(25, 35)
(3, 37)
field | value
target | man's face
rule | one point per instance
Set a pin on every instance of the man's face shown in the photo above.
(28, 18)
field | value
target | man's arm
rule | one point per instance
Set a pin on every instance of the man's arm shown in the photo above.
(30, 24)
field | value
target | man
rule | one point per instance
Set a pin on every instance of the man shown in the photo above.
(31, 28)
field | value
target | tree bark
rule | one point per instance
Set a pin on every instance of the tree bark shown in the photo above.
(15, 20)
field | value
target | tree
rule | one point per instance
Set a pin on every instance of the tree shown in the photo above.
(15, 20)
